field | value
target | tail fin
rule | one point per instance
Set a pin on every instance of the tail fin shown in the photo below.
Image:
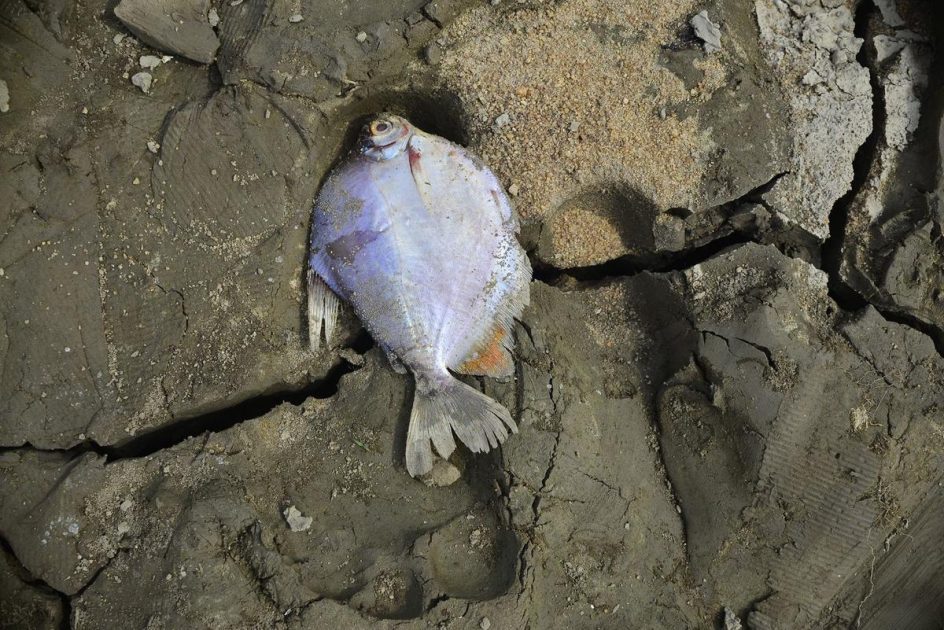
(452, 406)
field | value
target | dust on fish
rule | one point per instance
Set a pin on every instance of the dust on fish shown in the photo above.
(418, 236)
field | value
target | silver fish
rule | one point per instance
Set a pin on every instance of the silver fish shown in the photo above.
(418, 236)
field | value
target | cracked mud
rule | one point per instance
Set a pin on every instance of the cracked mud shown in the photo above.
(729, 383)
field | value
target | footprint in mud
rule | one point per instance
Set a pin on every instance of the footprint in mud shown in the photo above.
(472, 557)
(596, 226)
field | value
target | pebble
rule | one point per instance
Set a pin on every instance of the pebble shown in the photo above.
(4, 97)
(143, 81)
(296, 522)
(295, 19)
(485, 624)
(149, 62)
(707, 31)
(117, 39)
(574, 126)
(361, 37)
(213, 18)
(502, 120)
(152, 146)
(433, 54)
(443, 474)
(513, 190)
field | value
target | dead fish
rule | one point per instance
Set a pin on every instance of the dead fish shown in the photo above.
(418, 236)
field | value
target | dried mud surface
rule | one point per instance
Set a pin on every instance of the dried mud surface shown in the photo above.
(729, 383)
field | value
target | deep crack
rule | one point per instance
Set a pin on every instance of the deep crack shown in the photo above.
(216, 421)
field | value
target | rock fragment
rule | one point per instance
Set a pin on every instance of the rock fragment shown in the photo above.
(707, 31)
(177, 26)
(444, 473)
(213, 18)
(296, 521)
(149, 62)
(143, 81)
(4, 97)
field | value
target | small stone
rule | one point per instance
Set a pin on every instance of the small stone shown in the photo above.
(361, 37)
(136, 181)
(235, 3)
(502, 120)
(143, 81)
(123, 528)
(433, 54)
(513, 190)
(811, 78)
(485, 624)
(443, 474)
(153, 147)
(126, 505)
(296, 18)
(4, 97)
(731, 621)
(707, 31)
(296, 522)
(213, 18)
(149, 62)
(118, 38)
(574, 126)
(85, 110)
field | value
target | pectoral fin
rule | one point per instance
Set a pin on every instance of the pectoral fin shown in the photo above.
(322, 310)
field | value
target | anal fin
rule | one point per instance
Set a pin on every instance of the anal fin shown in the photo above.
(322, 310)
(490, 358)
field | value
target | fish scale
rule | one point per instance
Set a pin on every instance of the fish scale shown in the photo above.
(417, 235)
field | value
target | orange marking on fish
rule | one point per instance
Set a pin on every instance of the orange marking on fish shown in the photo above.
(489, 360)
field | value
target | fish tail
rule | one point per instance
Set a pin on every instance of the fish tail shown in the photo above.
(446, 406)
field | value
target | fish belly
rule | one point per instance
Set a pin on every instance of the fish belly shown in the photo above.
(424, 269)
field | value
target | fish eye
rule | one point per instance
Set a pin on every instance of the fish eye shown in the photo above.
(380, 127)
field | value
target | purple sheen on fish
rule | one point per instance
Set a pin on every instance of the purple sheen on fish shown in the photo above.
(418, 236)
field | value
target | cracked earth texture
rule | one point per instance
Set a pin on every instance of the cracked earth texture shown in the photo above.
(729, 383)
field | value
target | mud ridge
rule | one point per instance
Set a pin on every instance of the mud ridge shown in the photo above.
(39, 584)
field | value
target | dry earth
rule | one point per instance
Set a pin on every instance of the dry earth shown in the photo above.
(730, 380)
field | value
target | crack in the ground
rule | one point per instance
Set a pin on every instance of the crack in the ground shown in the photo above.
(665, 261)
(178, 431)
(831, 251)
(828, 259)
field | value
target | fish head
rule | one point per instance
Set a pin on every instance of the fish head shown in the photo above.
(385, 136)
